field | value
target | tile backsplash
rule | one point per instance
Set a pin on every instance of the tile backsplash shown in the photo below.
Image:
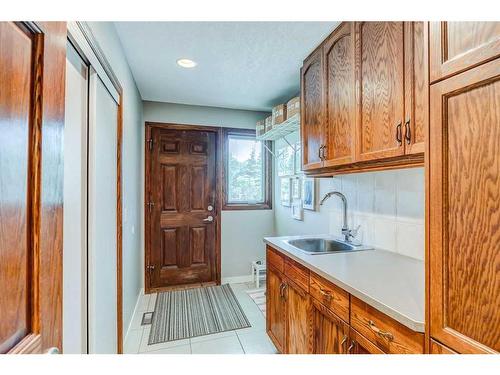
(388, 206)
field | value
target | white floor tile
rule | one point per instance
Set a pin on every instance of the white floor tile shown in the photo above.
(256, 343)
(143, 303)
(137, 320)
(225, 345)
(164, 345)
(183, 349)
(133, 342)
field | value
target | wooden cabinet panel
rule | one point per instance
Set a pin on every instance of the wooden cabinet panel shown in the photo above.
(464, 210)
(339, 127)
(297, 273)
(416, 87)
(275, 259)
(380, 89)
(330, 295)
(383, 331)
(330, 333)
(298, 331)
(458, 46)
(438, 348)
(358, 344)
(312, 110)
(275, 308)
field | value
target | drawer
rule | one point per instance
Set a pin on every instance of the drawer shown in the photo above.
(275, 259)
(383, 331)
(297, 273)
(330, 295)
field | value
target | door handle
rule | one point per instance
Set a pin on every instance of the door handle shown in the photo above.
(209, 219)
(407, 131)
(399, 135)
(353, 344)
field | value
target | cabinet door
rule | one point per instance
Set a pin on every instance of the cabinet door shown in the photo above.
(275, 308)
(330, 333)
(458, 46)
(358, 344)
(338, 57)
(380, 89)
(416, 87)
(312, 110)
(464, 210)
(298, 310)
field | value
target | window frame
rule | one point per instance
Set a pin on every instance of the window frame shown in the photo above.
(268, 176)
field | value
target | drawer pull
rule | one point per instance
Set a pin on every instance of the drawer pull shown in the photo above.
(325, 294)
(342, 343)
(386, 335)
(353, 343)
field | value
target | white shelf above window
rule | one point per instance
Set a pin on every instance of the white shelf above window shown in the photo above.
(287, 127)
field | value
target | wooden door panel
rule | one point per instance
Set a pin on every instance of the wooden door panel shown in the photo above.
(458, 46)
(380, 96)
(361, 345)
(298, 324)
(338, 57)
(465, 210)
(183, 183)
(275, 308)
(312, 110)
(330, 333)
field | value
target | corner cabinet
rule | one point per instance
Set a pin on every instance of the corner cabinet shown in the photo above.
(372, 107)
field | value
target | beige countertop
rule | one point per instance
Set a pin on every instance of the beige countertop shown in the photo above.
(392, 283)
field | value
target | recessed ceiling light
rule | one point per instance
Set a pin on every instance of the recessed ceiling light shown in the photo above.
(186, 63)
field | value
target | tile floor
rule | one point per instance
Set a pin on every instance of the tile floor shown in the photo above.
(252, 340)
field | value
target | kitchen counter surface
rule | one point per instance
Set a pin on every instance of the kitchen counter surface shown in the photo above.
(392, 283)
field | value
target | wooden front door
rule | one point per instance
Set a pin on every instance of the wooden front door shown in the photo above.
(182, 207)
(31, 171)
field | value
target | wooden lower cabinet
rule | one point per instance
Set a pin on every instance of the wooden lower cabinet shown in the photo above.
(275, 308)
(330, 334)
(301, 321)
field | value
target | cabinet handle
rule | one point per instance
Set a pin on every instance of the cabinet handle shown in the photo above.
(325, 294)
(323, 154)
(285, 288)
(407, 131)
(386, 335)
(320, 152)
(342, 343)
(282, 287)
(353, 343)
(399, 134)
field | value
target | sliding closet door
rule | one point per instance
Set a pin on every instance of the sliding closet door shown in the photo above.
(75, 205)
(102, 219)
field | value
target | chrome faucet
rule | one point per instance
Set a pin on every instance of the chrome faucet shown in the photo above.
(346, 232)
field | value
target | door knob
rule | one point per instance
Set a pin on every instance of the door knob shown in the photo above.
(209, 219)
(210, 207)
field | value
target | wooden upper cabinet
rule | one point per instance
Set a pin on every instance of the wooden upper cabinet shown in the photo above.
(312, 110)
(297, 319)
(338, 57)
(416, 87)
(330, 333)
(464, 210)
(380, 89)
(275, 308)
(458, 46)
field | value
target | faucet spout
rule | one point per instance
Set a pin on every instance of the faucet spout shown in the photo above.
(345, 229)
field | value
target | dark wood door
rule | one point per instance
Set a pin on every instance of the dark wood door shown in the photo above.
(338, 57)
(275, 308)
(380, 89)
(464, 210)
(182, 193)
(458, 46)
(31, 185)
(298, 327)
(416, 86)
(312, 110)
(330, 333)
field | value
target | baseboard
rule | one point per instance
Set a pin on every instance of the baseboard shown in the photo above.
(138, 299)
(237, 279)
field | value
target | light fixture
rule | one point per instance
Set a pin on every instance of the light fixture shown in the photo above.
(186, 63)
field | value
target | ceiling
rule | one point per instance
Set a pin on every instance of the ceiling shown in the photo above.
(242, 65)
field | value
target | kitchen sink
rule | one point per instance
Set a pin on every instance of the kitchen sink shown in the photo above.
(324, 246)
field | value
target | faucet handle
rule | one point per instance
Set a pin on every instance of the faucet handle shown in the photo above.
(354, 232)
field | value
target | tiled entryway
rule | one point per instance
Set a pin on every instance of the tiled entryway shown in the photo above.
(252, 340)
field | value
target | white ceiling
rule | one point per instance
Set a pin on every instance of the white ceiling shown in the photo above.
(243, 65)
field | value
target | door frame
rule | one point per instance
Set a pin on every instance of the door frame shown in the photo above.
(218, 193)
(81, 37)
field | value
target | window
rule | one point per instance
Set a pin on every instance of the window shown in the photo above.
(247, 171)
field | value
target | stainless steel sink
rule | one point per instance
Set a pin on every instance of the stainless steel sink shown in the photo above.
(323, 246)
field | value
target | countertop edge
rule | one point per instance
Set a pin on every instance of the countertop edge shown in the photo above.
(408, 322)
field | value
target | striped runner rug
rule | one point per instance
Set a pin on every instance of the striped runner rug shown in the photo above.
(182, 314)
